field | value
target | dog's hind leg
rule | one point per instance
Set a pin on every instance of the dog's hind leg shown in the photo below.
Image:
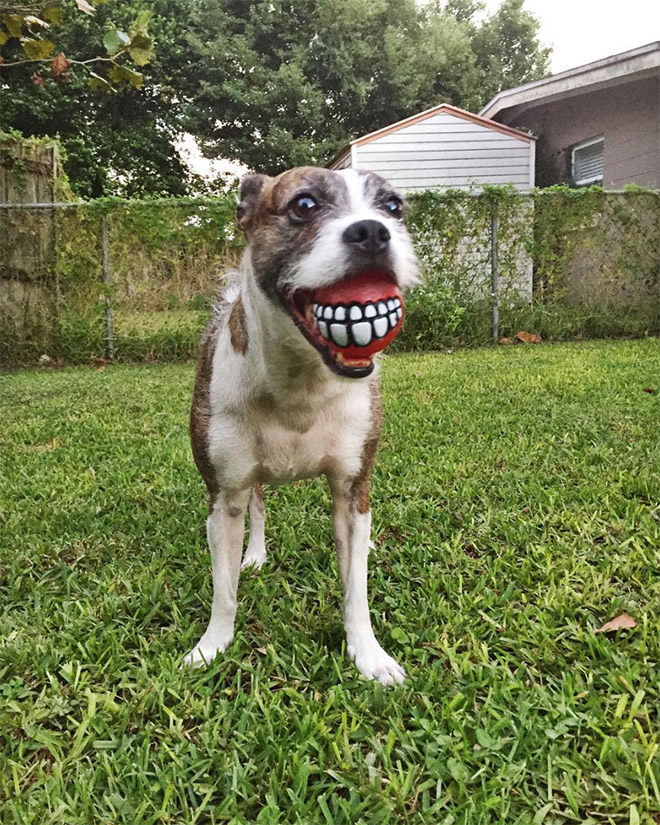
(351, 520)
(225, 528)
(255, 555)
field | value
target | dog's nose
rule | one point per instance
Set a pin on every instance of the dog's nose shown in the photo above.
(367, 236)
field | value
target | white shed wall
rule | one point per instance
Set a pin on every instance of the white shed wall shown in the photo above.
(448, 151)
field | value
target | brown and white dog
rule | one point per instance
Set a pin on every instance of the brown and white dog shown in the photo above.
(286, 385)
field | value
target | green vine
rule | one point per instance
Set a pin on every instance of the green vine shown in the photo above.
(571, 263)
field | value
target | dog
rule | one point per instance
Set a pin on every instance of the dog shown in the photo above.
(287, 384)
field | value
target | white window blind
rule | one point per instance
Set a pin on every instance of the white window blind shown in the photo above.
(588, 162)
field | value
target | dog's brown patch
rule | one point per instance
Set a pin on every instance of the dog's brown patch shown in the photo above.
(277, 242)
(238, 328)
(200, 411)
(258, 496)
(250, 196)
(359, 492)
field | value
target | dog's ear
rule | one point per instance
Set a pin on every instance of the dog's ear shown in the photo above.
(249, 197)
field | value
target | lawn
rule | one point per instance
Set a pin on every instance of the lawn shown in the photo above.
(516, 508)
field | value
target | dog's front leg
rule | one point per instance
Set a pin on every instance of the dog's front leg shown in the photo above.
(225, 527)
(351, 520)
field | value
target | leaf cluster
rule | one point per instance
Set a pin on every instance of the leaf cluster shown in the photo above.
(31, 38)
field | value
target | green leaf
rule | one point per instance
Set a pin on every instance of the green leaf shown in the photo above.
(37, 49)
(53, 14)
(542, 813)
(485, 739)
(141, 22)
(399, 635)
(115, 40)
(14, 24)
(141, 49)
(120, 74)
(457, 769)
(4, 37)
(98, 83)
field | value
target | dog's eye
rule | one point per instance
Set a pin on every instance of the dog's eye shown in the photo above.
(303, 207)
(394, 206)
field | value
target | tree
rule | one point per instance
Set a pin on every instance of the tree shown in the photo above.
(25, 36)
(268, 83)
(508, 50)
(118, 137)
(282, 83)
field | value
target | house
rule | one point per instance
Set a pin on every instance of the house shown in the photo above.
(444, 147)
(596, 124)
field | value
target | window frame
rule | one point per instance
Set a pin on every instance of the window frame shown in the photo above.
(584, 145)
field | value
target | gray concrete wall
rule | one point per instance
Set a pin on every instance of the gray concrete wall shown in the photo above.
(626, 115)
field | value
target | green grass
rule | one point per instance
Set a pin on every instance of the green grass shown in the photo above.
(516, 508)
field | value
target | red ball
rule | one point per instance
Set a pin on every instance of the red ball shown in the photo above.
(368, 315)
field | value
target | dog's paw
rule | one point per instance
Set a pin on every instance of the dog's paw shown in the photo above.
(373, 663)
(206, 650)
(254, 557)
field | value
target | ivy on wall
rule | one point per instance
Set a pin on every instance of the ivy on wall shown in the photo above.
(571, 263)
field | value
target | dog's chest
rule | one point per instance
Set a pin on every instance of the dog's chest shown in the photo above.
(282, 454)
(272, 444)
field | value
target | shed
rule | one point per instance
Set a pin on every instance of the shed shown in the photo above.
(444, 147)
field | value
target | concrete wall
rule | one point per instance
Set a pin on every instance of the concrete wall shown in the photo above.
(27, 240)
(627, 116)
(448, 151)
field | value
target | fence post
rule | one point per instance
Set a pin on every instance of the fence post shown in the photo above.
(107, 280)
(494, 273)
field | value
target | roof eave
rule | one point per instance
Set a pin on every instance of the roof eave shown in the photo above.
(409, 121)
(630, 63)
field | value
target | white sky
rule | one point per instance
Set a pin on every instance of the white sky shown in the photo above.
(206, 167)
(581, 31)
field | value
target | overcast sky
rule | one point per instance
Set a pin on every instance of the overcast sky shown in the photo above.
(584, 30)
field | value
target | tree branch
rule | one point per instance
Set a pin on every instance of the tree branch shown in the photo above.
(71, 62)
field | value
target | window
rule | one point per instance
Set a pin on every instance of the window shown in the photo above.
(588, 162)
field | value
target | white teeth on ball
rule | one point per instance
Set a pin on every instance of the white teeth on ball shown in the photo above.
(362, 333)
(380, 327)
(356, 325)
(339, 334)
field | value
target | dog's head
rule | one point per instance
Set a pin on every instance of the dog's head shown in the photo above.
(331, 250)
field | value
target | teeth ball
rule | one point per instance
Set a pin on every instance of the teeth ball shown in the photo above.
(360, 315)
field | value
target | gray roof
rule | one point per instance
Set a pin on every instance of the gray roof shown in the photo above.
(642, 61)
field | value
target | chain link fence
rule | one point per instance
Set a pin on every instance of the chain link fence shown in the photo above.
(134, 280)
